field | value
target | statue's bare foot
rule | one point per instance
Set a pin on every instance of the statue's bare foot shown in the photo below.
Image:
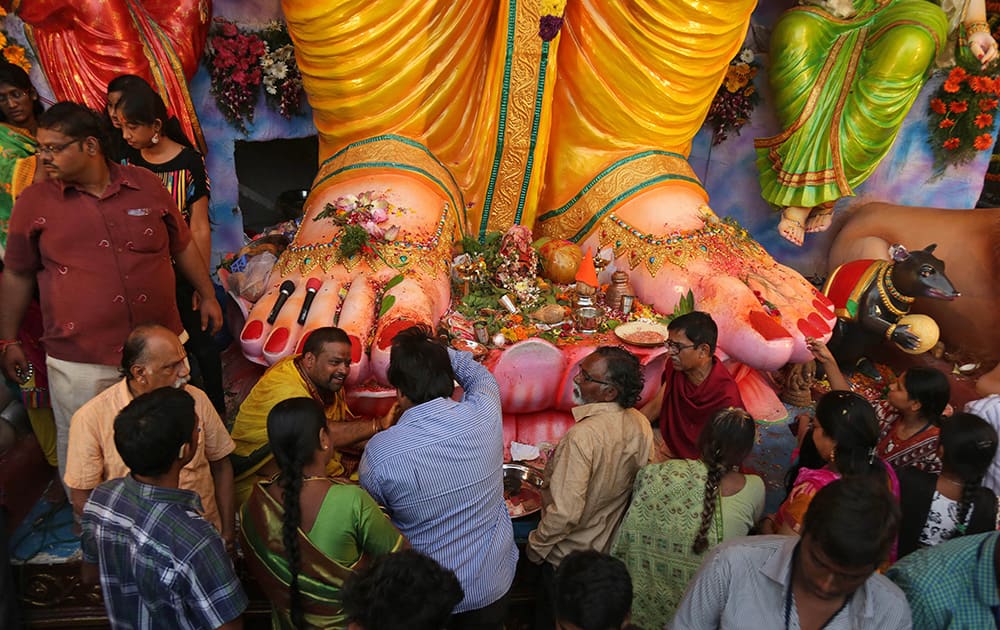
(671, 242)
(792, 226)
(371, 294)
(820, 218)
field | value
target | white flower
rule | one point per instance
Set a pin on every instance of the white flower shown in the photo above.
(746, 55)
(392, 233)
(280, 69)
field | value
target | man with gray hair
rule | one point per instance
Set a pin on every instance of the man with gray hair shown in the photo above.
(590, 475)
(153, 357)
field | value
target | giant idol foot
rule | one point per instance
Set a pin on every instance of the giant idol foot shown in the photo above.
(475, 116)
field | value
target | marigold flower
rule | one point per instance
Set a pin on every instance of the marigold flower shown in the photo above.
(951, 87)
(938, 106)
(947, 123)
(981, 85)
(958, 107)
(988, 104)
(984, 120)
(983, 142)
(951, 144)
(957, 74)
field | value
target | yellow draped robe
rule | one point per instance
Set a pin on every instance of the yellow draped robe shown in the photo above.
(281, 382)
(513, 129)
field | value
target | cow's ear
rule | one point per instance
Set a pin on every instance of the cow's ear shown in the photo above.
(898, 253)
(930, 248)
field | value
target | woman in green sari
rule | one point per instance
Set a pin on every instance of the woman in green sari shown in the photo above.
(683, 507)
(19, 110)
(304, 533)
(20, 107)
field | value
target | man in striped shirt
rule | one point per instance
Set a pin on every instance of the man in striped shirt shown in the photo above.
(438, 472)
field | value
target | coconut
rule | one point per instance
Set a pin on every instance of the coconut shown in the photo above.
(923, 327)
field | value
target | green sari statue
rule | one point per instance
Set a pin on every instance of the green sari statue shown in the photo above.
(842, 87)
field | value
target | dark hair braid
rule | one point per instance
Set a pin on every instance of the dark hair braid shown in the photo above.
(291, 487)
(724, 443)
(716, 470)
(969, 489)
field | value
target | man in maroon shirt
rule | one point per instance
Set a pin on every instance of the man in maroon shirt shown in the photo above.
(98, 239)
(695, 385)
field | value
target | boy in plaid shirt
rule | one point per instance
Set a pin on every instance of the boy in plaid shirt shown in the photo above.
(161, 564)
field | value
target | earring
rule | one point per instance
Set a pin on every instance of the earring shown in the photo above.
(833, 455)
(155, 138)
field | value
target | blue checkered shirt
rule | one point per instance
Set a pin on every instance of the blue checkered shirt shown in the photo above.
(952, 585)
(439, 474)
(162, 565)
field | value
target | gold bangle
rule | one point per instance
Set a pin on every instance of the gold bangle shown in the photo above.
(889, 331)
(976, 27)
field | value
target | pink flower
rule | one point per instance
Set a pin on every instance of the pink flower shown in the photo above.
(229, 29)
(392, 233)
(379, 215)
(373, 230)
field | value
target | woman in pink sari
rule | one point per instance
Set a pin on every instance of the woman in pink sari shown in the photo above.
(845, 435)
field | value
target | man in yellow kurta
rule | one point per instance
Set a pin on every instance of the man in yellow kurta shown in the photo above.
(319, 372)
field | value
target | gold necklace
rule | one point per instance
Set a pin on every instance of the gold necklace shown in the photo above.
(880, 284)
(316, 478)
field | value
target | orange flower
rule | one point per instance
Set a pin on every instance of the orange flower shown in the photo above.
(958, 107)
(983, 142)
(947, 123)
(984, 120)
(938, 106)
(988, 104)
(957, 74)
(951, 144)
(981, 85)
(951, 87)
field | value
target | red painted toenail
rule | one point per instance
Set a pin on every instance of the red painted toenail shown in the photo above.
(807, 328)
(816, 320)
(302, 342)
(277, 341)
(253, 330)
(766, 326)
(356, 348)
(823, 305)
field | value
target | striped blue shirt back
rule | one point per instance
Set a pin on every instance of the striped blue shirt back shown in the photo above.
(439, 474)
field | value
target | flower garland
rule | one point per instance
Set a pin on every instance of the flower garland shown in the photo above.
(12, 52)
(282, 79)
(962, 114)
(736, 99)
(550, 18)
(361, 219)
(240, 62)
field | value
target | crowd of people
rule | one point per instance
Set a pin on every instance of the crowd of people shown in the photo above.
(648, 519)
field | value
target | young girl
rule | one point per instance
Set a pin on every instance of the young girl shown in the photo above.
(156, 142)
(844, 435)
(683, 507)
(937, 508)
(909, 418)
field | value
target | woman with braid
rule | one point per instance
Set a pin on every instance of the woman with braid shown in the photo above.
(843, 441)
(937, 508)
(304, 533)
(683, 507)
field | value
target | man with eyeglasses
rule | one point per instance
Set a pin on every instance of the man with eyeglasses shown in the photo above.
(98, 239)
(695, 385)
(590, 475)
